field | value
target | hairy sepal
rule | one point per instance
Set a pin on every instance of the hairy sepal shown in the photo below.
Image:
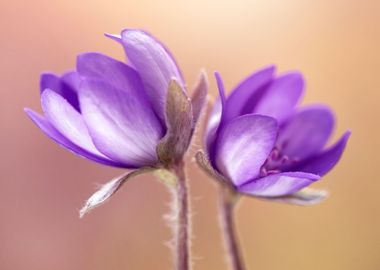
(109, 189)
(199, 97)
(304, 197)
(179, 123)
(204, 163)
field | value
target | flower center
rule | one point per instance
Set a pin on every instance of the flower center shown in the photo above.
(276, 162)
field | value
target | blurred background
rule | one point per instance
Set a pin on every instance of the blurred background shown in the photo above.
(42, 186)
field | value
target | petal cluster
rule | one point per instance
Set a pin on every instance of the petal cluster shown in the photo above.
(261, 143)
(109, 111)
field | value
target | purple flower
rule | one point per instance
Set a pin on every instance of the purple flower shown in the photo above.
(122, 115)
(261, 144)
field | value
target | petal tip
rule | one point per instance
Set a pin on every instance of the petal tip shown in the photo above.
(219, 82)
(137, 35)
(47, 93)
(31, 114)
(217, 75)
(27, 110)
(294, 74)
(128, 31)
(113, 36)
(347, 134)
(45, 74)
(203, 78)
(295, 78)
(270, 68)
(83, 56)
(344, 139)
(203, 73)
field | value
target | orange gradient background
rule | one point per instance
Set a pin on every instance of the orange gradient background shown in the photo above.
(42, 186)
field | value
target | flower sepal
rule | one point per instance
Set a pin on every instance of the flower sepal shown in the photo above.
(106, 191)
(304, 197)
(179, 122)
(204, 163)
(199, 97)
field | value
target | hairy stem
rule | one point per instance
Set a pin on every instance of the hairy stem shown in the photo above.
(181, 219)
(227, 204)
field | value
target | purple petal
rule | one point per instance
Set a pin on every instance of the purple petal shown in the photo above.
(100, 67)
(212, 125)
(325, 161)
(72, 79)
(222, 96)
(215, 122)
(122, 125)
(155, 65)
(307, 132)
(68, 121)
(280, 184)
(54, 134)
(243, 145)
(61, 86)
(245, 96)
(281, 97)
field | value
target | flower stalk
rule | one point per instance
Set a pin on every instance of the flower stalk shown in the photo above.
(228, 200)
(182, 224)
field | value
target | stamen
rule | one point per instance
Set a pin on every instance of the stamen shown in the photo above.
(284, 159)
(275, 154)
(273, 172)
(277, 161)
(263, 171)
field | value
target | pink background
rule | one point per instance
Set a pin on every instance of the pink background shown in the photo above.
(42, 186)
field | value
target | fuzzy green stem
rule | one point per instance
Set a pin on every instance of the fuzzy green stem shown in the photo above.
(227, 205)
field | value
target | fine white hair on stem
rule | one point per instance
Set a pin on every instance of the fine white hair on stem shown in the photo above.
(178, 219)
